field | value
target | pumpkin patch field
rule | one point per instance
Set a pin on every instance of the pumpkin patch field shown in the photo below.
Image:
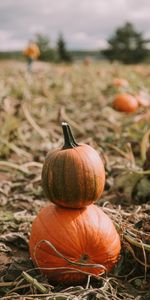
(74, 181)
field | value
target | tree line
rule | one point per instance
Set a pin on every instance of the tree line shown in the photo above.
(126, 45)
(57, 54)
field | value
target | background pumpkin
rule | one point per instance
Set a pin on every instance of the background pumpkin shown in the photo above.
(125, 102)
(74, 175)
(85, 236)
(120, 82)
(142, 101)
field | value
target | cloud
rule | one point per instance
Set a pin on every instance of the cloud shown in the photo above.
(91, 41)
(85, 24)
(5, 37)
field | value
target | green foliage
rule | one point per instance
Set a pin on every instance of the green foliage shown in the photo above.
(46, 52)
(49, 54)
(11, 55)
(63, 54)
(82, 54)
(126, 45)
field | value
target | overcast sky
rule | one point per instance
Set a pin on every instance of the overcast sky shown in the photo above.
(86, 24)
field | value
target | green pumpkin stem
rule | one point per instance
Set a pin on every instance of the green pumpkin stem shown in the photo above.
(69, 141)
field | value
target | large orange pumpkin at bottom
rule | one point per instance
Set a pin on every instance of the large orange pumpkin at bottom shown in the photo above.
(86, 237)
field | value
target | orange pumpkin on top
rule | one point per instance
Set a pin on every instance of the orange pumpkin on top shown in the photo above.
(73, 176)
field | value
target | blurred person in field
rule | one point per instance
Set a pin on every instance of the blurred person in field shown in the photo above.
(31, 52)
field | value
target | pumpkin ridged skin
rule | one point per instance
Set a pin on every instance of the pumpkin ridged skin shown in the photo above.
(81, 235)
(125, 103)
(73, 176)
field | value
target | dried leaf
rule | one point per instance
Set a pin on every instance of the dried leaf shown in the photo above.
(15, 238)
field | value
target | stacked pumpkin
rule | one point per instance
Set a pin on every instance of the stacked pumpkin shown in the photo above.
(72, 237)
